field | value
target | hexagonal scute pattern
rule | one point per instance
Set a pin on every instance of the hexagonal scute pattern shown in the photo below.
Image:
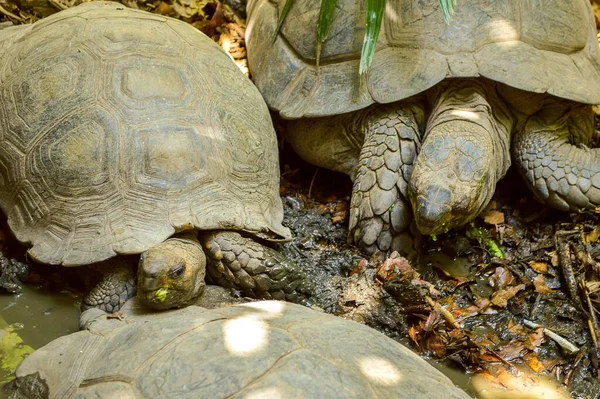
(120, 127)
(261, 349)
(549, 49)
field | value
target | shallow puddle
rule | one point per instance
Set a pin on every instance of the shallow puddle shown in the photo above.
(30, 320)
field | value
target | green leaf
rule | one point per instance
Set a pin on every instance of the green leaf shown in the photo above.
(324, 23)
(161, 294)
(374, 15)
(474, 233)
(447, 7)
(284, 13)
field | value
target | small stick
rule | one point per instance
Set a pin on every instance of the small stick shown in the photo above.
(57, 5)
(312, 182)
(444, 312)
(593, 320)
(564, 254)
(593, 332)
(10, 14)
(569, 375)
(566, 345)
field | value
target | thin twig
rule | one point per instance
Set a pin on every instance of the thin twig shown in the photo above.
(57, 5)
(564, 255)
(444, 312)
(312, 182)
(593, 320)
(569, 375)
(10, 14)
(566, 345)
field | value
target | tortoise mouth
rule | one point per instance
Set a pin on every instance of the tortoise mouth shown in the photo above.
(169, 297)
(161, 298)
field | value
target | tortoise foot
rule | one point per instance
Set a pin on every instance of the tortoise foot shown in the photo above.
(234, 261)
(118, 284)
(380, 215)
(552, 156)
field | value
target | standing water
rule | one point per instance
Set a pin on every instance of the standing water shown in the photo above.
(30, 320)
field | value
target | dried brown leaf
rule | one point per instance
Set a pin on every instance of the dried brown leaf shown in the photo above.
(593, 286)
(486, 357)
(539, 267)
(436, 346)
(361, 266)
(516, 329)
(482, 303)
(533, 362)
(413, 333)
(512, 351)
(500, 298)
(591, 237)
(467, 312)
(501, 278)
(339, 217)
(433, 320)
(493, 217)
(536, 338)
(541, 286)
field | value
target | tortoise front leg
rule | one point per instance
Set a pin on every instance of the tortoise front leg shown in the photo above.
(376, 147)
(234, 261)
(118, 284)
(380, 214)
(552, 156)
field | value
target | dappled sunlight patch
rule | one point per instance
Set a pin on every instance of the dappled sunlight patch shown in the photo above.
(265, 393)
(468, 115)
(518, 384)
(380, 371)
(272, 308)
(245, 335)
(504, 31)
(391, 14)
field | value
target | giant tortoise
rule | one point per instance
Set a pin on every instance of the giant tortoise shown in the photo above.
(120, 129)
(268, 349)
(456, 94)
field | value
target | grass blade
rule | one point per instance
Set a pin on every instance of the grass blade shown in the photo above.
(374, 15)
(284, 13)
(447, 7)
(324, 23)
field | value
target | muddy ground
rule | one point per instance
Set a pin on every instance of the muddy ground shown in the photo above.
(484, 300)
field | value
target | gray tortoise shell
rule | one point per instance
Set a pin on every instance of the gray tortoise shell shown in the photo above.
(256, 350)
(120, 127)
(531, 45)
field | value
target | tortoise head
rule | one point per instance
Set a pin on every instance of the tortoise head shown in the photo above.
(453, 178)
(171, 274)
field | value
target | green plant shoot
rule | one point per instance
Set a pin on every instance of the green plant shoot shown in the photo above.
(374, 15)
(447, 7)
(324, 24)
(284, 13)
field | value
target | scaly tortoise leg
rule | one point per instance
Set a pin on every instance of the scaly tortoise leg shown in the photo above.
(376, 147)
(552, 155)
(380, 214)
(466, 150)
(118, 284)
(234, 261)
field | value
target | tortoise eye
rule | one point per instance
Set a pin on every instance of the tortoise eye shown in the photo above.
(177, 271)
